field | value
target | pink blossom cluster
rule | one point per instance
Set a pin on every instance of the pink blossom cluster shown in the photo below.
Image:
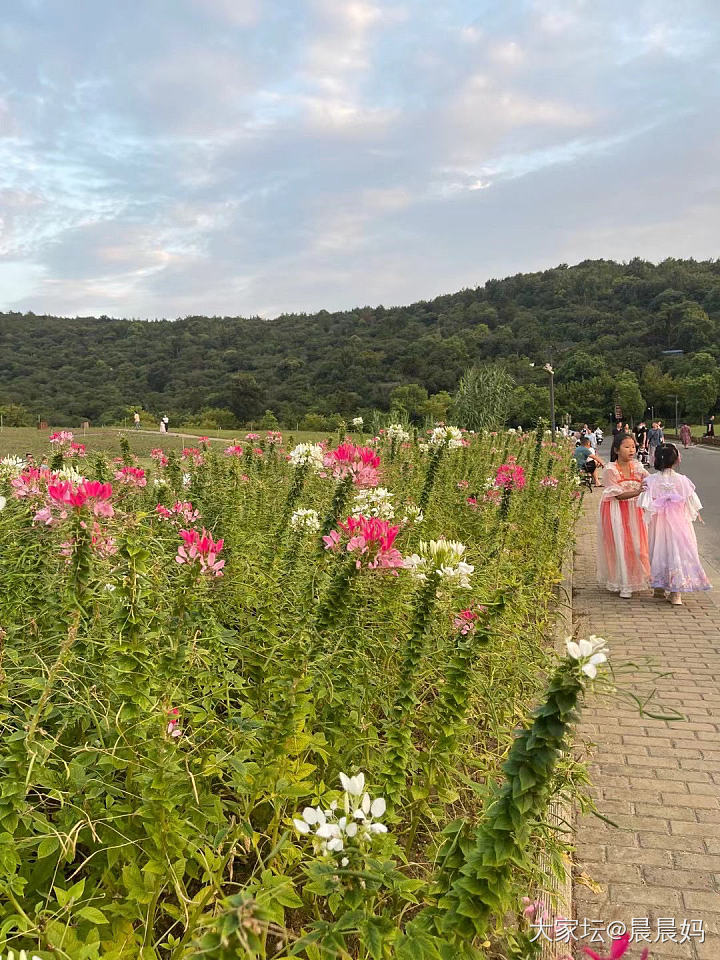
(200, 548)
(252, 436)
(371, 539)
(361, 463)
(549, 482)
(273, 437)
(493, 495)
(173, 727)
(32, 482)
(62, 438)
(234, 451)
(510, 476)
(472, 502)
(463, 484)
(192, 453)
(131, 476)
(182, 511)
(77, 449)
(158, 454)
(63, 495)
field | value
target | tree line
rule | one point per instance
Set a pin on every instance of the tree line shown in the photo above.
(639, 334)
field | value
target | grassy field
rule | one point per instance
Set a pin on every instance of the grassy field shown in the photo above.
(17, 441)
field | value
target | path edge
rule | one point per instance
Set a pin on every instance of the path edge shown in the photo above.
(557, 900)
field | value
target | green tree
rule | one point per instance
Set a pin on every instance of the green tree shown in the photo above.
(15, 415)
(699, 396)
(436, 407)
(627, 394)
(411, 398)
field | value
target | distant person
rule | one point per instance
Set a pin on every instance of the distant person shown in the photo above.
(599, 436)
(136, 419)
(685, 435)
(163, 428)
(641, 435)
(623, 565)
(671, 505)
(587, 460)
(167, 424)
(711, 427)
(654, 439)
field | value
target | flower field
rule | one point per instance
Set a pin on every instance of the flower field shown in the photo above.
(278, 700)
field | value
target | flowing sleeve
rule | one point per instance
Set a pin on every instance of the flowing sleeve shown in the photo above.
(611, 482)
(645, 500)
(692, 503)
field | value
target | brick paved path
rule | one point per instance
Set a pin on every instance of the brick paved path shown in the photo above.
(658, 780)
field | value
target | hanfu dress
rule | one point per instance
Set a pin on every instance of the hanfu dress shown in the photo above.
(623, 562)
(671, 505)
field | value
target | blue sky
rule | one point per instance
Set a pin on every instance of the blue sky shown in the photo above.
(237, 157)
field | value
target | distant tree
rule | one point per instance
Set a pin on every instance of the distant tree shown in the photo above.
(246, 396)
(436, 407)
(627, 394)
(411, 398)
(15, 415)
(269, 421)
(482, 401)
(699, 396)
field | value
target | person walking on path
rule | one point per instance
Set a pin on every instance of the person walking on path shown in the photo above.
(166, 423)
(163, 429)
(685, 435)
(136, 420)
(623, 564)
(641, 435)
(671, 505)
(654, 439)
(711, 426)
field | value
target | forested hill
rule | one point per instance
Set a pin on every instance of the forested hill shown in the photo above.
(604, 326)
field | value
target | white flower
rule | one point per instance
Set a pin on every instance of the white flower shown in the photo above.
(3, 502)
(446, 436)
(374, 502)
(396, 431)
(12, 464)
(307, 455)
(186, 479)
(444, 557)
(548, 368)
(414, 514)
(355, 828)
(68, 473)
(353, 785)
(160, 483)
(305, 520)
(512, 430)
(358, 422)
(423, 446)
(592, 652)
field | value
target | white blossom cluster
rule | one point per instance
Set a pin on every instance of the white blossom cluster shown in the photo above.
(444, 558)
(353, 823)
(358, 422)
(10, 955)
(12, 464)
(307, 455)
(590, 653)
(68, 473)
(305, 520)
(396, 431)
(374, 502)
(413, 514)
(3, 503)
(446, 436)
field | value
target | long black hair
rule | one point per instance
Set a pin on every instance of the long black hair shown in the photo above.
(619, 438)
(666, 455)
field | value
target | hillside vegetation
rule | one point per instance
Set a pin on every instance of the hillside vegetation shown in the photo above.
(603, 325)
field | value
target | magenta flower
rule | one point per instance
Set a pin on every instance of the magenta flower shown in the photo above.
(182, 512)
(201, 548)
(158, 454)
(361, 463)
(173, 727)
(78, 449)
(131, 476)
(549, 482)
(192, 453)
(510, 476)
(31, 482)
(65, 436)
(618, 948)
(89, 493)
(371, 539)
(234, 451)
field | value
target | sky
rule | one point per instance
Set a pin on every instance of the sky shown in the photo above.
(160, 158)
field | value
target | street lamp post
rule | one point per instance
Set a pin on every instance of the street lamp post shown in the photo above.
(550, 370)
(677, 422)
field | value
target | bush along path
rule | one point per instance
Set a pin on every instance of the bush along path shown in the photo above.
(656, 867)
(260, 702)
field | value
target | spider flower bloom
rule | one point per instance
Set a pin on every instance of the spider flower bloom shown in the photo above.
(307, 455)
(92, 494)
(234, 451)
(77, 449)
(464, 622)
(372, 540)
(158, 454)
(131, 476)
(589, 653)
(192, 453)
(65, 436)
(447, 436)
(273, 437)
(31, 483)
(549, 482)
(618, 948)
(443, 558)
(360, 463)
(510, 476)
(202, 548)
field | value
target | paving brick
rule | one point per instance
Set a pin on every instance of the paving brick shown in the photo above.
(658, 779)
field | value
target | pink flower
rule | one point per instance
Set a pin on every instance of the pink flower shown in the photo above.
(132, 476)
(472, 501)
(234, 451)
(157, 454)
(65, 436)
(192, 453)
(618, 948)
(78, 449)
(252, 436)
(361, 463)
(202, 548)
(31, 482)
(173, 727)
(273, 436)
(258, 451)
(182, 511)
(492, 496)
(510, 476)
(549, 482)
(92, 493)
(464, 622)
(463, 484)
(371, 539)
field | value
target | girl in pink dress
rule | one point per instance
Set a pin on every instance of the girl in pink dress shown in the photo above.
(623, 562)
(671, 504)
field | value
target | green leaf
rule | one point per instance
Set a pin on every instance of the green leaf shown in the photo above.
(92, 914)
